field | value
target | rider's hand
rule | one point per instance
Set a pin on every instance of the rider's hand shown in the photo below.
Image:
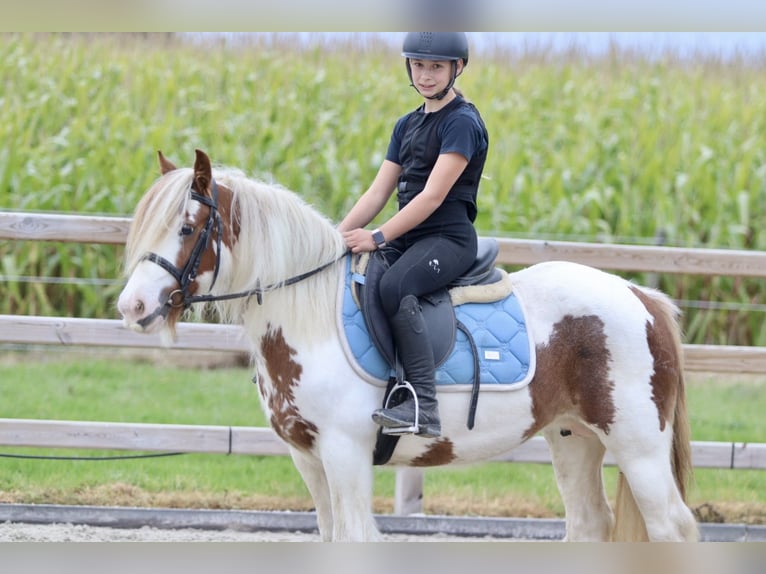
(359, 240)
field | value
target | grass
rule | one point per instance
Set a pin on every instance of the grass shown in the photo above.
(111, 387)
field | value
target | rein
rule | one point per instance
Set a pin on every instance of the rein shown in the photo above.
(181, 297)
(259, 291)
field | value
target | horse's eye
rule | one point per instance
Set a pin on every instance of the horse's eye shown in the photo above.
(186, 230)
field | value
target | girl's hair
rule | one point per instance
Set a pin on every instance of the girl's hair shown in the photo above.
(460, 93)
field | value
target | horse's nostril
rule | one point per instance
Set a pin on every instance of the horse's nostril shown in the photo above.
(140, 307)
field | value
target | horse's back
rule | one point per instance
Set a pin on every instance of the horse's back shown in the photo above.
(565, 277)
(557, 289)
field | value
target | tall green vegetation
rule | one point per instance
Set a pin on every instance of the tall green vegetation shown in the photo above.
(619, 148)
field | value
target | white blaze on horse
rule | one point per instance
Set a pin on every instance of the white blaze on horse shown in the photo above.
(608, 371)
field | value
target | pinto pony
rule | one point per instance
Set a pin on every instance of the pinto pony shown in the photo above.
(608, 356)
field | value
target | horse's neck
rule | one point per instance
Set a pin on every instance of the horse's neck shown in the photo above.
(305, 313)
(281, 238)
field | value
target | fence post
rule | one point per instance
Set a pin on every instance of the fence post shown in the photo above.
(653, 279)
(408, 492)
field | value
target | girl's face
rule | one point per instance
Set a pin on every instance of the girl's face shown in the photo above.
(431, 76)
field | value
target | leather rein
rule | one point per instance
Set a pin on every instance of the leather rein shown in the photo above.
(181, 297)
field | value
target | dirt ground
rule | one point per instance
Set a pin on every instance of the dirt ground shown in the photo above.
(17, 532)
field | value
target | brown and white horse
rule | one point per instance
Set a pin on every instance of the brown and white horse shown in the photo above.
(608, 359)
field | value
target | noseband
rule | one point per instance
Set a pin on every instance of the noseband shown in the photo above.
(181, 297)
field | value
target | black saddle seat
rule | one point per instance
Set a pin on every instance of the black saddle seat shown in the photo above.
(483, 270)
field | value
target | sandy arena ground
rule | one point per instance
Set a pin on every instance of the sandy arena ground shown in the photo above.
(17, 532)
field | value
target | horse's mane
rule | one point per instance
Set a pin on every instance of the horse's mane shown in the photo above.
(155, 214)
(280, 236)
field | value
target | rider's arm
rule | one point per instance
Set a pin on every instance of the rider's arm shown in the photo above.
(374, 199)
(443, 176)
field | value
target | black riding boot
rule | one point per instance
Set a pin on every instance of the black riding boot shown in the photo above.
(416, 354)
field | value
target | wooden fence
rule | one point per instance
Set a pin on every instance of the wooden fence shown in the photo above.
(226, 338)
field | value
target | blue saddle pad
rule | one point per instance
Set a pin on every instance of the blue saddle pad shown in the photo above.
(498, 329)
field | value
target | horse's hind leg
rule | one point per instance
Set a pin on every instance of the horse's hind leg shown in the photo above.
(313, 475)
(577, 462)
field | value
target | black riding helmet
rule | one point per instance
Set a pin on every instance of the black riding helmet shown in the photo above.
(451, 46)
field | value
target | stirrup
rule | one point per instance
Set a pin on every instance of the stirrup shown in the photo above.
(414, 428)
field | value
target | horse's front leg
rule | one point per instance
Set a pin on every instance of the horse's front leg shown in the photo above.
(347, 461)
(312, 471)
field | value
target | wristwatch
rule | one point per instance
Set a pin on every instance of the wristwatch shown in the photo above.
(377, 237)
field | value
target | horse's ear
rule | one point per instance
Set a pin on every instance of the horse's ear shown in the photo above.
(203, 172)
(165, 165)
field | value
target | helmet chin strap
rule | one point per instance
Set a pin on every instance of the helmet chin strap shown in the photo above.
(441, 94)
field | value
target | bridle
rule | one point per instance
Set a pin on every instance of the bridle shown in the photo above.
(181, 297)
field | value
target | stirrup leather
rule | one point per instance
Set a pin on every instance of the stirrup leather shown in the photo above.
(407, 429)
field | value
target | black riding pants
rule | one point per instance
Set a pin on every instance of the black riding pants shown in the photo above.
(424, 266)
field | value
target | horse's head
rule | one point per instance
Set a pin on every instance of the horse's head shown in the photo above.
(174, 245)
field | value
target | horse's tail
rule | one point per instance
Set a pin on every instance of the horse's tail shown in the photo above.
(629, 525)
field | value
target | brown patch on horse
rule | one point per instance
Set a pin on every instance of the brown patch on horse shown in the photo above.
(229, 217)
(203, 183)
(285, 374)
(573, 375)
(229, 233)
(439, 452)
(667, 364)
(229, 211)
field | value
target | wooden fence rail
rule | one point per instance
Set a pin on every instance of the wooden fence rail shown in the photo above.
(657, 259)
(215, 439)
(66, 331)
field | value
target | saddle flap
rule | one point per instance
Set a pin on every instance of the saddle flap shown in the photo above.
(438, 314)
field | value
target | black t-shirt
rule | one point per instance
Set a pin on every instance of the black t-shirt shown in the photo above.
(419, 138)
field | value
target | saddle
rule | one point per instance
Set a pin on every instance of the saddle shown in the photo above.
(438, 307)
